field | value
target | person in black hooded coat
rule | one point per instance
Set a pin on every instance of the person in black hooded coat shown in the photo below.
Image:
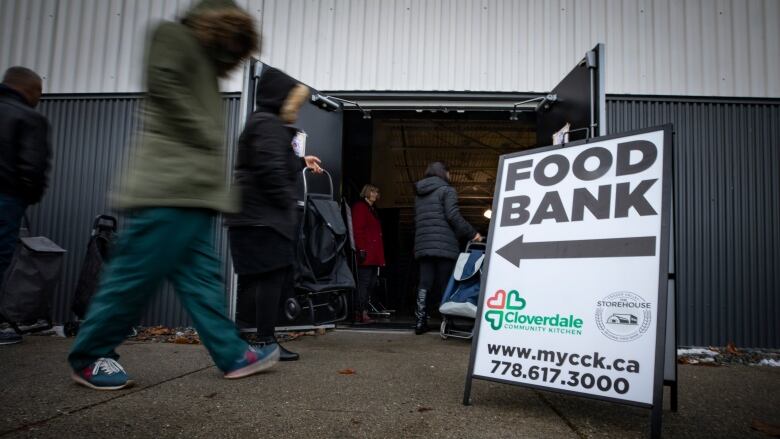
(438, 226)
(262, 235)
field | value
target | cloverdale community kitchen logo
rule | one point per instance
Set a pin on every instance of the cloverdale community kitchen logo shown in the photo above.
(508, 311)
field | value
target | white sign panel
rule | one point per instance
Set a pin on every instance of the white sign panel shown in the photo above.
(570, 299)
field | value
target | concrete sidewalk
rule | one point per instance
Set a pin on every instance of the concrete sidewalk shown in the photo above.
(403, 386)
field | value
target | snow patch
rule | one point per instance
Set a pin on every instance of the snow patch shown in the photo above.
(769, 362)
(696, 351)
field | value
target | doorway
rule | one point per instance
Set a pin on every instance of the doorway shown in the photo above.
(392, 150)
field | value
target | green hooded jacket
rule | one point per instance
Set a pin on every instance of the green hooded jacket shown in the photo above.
(180, 158)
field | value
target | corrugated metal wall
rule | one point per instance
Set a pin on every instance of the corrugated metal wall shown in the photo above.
(692, 47)
(89, 46)
(659, 47)
(91, 136)
(727, 200)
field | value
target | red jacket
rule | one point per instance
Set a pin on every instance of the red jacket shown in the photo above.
(368, 234)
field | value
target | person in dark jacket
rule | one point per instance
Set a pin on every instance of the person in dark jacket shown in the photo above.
(262, 235)
(370, 248)
(175, 187)
(438, 226)
(24, 160)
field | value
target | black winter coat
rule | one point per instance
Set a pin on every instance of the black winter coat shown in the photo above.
(266, 171)
(24, 148)
(438, 222)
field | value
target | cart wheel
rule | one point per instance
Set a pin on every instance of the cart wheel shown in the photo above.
(336, 303)
(443, 329)
(292, 308)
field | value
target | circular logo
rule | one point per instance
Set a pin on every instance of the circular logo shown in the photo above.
(623, 316)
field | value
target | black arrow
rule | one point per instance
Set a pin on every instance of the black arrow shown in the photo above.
(586, 248)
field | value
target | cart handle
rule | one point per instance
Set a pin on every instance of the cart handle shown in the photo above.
(101, 220)
(476, 244)
(306, 187)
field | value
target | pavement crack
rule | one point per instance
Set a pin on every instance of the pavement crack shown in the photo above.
(335, 410)
(560, 414)
(61, 413)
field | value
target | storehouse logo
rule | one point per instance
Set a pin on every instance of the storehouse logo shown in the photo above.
(623, 316)
(503, 312)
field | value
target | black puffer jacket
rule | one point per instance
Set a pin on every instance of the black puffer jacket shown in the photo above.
(24, 148)
(438, 222)
(266, 167)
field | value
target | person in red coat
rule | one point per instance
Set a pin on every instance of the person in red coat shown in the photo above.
(370, 250)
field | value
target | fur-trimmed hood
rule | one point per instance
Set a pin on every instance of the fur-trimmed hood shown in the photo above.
(278, 93)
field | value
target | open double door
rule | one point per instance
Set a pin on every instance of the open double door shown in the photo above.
(579, 100)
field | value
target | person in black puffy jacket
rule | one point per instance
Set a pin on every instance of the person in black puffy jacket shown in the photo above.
(438, 227)
(262, 235)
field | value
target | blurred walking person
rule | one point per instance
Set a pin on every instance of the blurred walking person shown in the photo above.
(438, 226)
(175, 188)
(370, 248)
(25, 152)
(262, 235)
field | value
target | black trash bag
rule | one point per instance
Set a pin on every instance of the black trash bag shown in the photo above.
(98, 250)
(30, 281)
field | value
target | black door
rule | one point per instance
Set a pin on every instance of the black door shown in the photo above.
(579, 101)
(323, 127)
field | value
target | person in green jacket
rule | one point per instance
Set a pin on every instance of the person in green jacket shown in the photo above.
(174, 189)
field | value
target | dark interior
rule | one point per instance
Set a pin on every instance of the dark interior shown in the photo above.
(392, 150)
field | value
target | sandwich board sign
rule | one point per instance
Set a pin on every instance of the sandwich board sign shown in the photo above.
(574, 290)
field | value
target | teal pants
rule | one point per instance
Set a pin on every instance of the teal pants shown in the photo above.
(157, 244)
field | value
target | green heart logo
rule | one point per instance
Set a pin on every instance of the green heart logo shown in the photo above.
(515, 301)
(495, 318)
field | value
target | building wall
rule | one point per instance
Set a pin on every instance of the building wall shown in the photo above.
(89, 46)
(91, 138)
(727, 217)
(654, 47)
(727, 180)
(726, 151)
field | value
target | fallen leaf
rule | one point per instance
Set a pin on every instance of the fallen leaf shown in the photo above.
(185, 340)
(293, 336)
(731, 348)
(159, 330)
(766, 428)
(347, 371)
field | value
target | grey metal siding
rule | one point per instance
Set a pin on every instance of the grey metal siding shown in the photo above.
(91, 138)
(658, 47)
(727, 190)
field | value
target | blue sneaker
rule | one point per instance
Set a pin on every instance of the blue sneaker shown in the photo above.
(103, 374)
(9, 337)
(255, 360)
